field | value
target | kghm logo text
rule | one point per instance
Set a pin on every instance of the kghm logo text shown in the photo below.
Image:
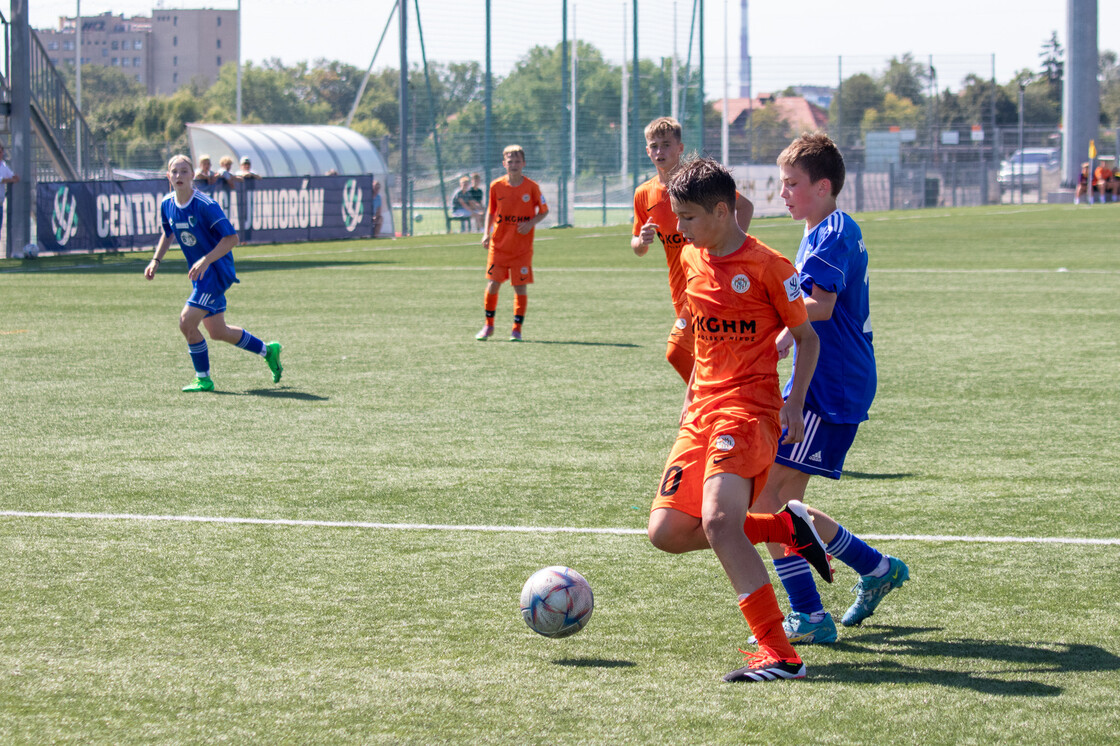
(723, 327)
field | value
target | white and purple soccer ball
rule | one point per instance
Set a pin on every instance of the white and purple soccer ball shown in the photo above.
(556, 602)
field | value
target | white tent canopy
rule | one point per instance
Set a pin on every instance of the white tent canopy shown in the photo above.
(289, 149)
(294, 150)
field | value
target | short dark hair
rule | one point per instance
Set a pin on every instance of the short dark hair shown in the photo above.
(705, 182)
(817, 155)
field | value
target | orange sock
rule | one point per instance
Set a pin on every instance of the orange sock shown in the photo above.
(681, 359)
(520, 303)
(765, 619)
(489, 305)
(774, 528)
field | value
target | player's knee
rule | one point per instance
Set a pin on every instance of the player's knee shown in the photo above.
(665, 538)
(718, 526)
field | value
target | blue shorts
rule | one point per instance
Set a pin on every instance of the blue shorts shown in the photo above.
(823, 449)
(209, 294)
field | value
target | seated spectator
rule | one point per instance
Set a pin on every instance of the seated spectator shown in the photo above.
(247, 171)
(226, 178)
(478, 202)
(461, 204)
(204, 177)
(333, 172)
(376, 207)
(1102, 180)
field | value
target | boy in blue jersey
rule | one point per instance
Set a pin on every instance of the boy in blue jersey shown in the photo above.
(206, 238)
(832, 262)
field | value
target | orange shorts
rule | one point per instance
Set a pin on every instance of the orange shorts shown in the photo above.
(730, 440)
(518, 270)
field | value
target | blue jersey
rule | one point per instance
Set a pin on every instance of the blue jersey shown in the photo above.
(832, 257)
(199, 226)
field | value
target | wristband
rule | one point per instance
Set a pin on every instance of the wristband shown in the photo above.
(156, 261)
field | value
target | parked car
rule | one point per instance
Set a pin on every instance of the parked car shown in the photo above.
(1027, 162)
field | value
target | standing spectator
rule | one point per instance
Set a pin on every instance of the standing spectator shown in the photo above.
(247, 171)
(204, 177)
(226, 178)
(460, 204)
(478, 201)
(376, 207)
(7, 176)
(1083, 186)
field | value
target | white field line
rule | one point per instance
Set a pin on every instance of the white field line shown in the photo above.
(928, 538)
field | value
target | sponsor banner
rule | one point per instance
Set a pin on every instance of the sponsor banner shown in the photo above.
(82, 216)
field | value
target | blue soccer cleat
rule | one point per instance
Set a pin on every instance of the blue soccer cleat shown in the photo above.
(802, 630)
(870, 590)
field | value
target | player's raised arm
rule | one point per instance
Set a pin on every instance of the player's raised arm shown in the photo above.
(640, 243)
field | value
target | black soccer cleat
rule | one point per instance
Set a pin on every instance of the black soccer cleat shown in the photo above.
(806, 541)
(762, 666)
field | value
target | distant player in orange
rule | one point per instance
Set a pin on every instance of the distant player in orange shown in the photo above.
(1104, 181)
(516, 206)
(741, 294)
(653, 217)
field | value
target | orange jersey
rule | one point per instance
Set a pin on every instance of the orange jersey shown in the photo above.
(651, 201)
(509, 207)
(739, 304)
(1103, 173)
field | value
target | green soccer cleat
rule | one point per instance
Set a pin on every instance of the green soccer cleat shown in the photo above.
(272, 357)
(485, 333)
(870, 590)
(515, 336)
(200, 384)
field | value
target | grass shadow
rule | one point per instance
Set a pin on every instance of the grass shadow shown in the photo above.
(593, 663)
(1041, 658)
(865, 475)
(275, 394)
(580, 344)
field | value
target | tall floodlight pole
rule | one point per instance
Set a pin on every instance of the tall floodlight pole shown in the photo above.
(575, 69)
(488, 132)
(78, 83)
(623, 124)
(724, 127)
(239, 61)
(402, 18)
(674, 89)
(19, 224)
(700, 88)
(566, 137)
(1080, 87)
(636, 122)
(1022, 87)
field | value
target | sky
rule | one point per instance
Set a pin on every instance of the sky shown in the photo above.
(823, 41)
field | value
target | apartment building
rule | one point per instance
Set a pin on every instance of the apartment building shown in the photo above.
(164, 51)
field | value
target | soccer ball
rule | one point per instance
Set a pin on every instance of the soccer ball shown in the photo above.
(556, 602)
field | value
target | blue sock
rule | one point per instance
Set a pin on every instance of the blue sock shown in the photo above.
(201, 359)
(797, 578)
(251, 343)
(853, 552)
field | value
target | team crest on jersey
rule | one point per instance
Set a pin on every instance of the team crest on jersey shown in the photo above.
(740, 283)
(524, 197)
(681, 324)
(524, 270)
(793, 287)
(725, 443)
(188, 238)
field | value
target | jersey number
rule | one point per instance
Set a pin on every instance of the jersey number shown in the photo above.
(672, 481)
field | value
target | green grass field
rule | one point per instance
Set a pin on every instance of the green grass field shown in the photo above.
(997, 416)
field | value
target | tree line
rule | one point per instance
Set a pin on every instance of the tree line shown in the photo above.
(141, 130)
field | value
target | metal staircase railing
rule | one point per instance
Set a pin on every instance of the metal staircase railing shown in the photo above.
(64, 135)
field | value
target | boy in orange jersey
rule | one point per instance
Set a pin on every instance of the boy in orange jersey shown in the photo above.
(653, 216)
(741, 294)
(516, 206)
